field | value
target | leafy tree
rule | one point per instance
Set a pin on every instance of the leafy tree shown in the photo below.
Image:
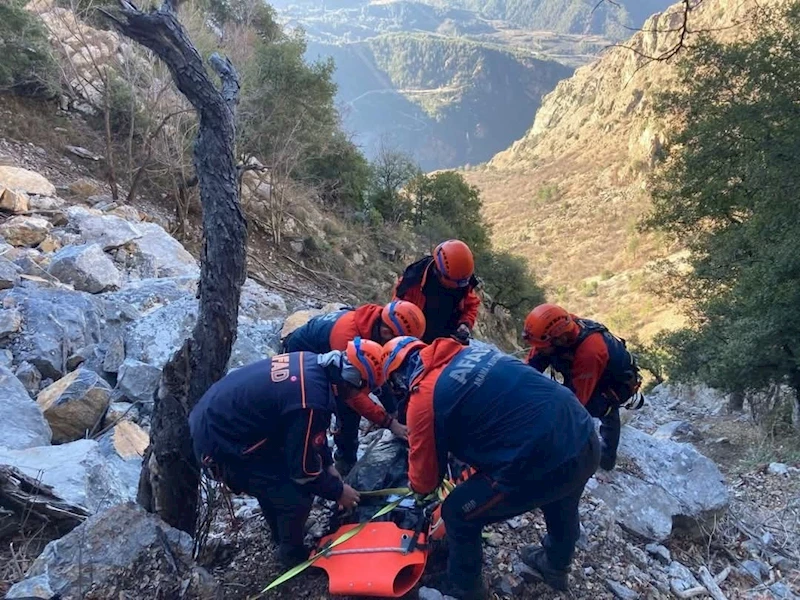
(508, 283)
(728, 191)
(341, 174)
(445, 205)
(26, 63)
(391, 171)
(287, 112)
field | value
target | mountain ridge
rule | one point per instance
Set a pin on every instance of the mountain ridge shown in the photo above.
(568, 194)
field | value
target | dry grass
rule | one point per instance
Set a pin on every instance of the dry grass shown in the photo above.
(575, 221)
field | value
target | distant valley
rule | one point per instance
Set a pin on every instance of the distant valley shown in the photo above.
(441, 80)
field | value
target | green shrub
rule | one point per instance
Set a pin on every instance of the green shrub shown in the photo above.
(26, 62)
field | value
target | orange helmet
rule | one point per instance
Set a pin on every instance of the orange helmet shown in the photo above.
(454, 263)
(395, 352)
(547, 322)
(365, 356)
(403, 318)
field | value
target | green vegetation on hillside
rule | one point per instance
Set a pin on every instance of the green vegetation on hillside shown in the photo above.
(728, 191)
(444, 206)
(445, 100)
(612, 19)
(26, 64)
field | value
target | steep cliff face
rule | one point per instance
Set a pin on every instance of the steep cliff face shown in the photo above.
(569, 193)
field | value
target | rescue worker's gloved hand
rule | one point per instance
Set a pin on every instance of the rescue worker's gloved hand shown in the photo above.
(398, 429)
(349, 498)
(462, 333)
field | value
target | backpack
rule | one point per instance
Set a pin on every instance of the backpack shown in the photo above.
(622, 378)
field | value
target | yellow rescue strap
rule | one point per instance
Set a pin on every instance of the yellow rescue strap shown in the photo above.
(404, 493)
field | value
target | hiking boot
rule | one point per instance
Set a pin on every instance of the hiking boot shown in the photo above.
(607, 463)
(448, 587)
(291, 556)
(536, 558)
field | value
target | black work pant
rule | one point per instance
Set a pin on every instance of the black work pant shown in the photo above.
(478, 502)
(284, 504)
(610, 429)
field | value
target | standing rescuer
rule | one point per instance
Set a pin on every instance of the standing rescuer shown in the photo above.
(529, 439)
(262, 431)
(595, 365)
(443, 286)
(334, 331)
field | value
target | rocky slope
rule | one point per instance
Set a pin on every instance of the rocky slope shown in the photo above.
(569, 193)
(95, 298)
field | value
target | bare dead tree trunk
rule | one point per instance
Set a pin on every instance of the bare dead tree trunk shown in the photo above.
(112, 175)
(169, 482)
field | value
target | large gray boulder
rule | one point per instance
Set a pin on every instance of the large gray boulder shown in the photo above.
(259, 304)
(660, 486)
(254, 342)
(146, 295)
(80, 472)
(75, 404)
(30, 377)
(137, 381)
(22, 424)
(167, 254)
(109, 554)
(106, 230)
(56, 323)
(155, 337)
(87, 268)
(9, 273)
(10, 322)
(169, 320)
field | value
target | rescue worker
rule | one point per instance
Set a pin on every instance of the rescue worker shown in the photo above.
(529, 439)
(443, 286)
(334, 331)
(595, 365)
(262, 430)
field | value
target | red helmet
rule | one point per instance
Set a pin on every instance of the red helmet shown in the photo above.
(454, 263)
(365, 356)
(395, 352)
(403, 318)
(547, 322)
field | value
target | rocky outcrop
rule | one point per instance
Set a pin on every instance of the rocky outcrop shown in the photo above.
(123, 552)
(86, 268)
(137, 381)
(13, 201)
(22, 180)
(10, 322)
(9, 274)
(164, 252)
(660, 486)
(56, 323)
(95, 227)
(22, 424)
(25, 231)
(74, 405)
(30, 377)
(80, 472)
